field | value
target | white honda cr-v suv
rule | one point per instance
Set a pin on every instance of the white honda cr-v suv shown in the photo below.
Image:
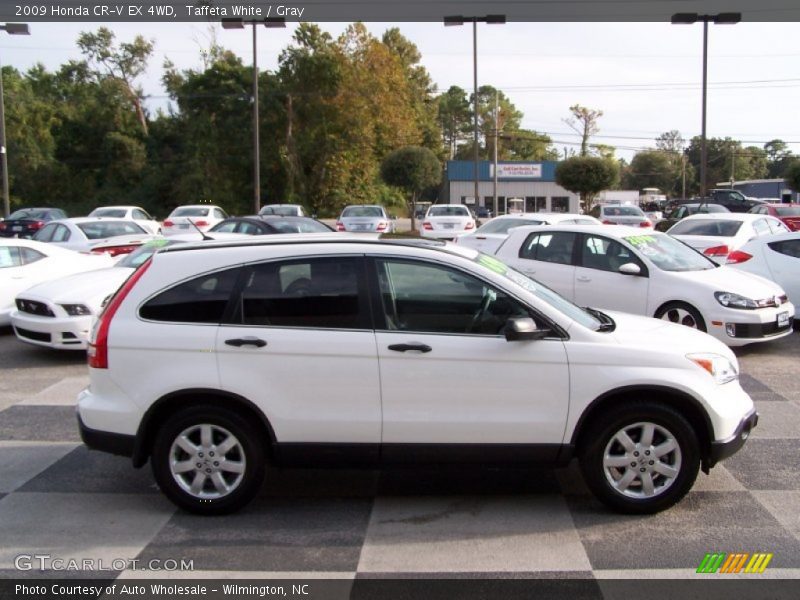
(335, 349)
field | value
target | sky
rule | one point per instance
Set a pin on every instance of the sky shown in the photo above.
(645, 77)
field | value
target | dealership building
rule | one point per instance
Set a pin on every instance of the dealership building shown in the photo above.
(534, 183)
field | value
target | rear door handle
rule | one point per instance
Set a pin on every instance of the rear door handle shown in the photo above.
(410, 347)
(246, 341)
(584, 279)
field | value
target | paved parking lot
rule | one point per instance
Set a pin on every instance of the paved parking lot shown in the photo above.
(58, 498)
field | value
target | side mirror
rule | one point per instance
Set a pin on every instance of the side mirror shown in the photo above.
(630, 269)
(522, 329)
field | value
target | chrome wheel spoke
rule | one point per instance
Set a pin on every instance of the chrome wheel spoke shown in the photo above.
(665, 470)
(205, 436)
(184, 466)
(617, 461)
(625, 480)
(231, 467)
(185, 444)
(647, 484)
(226, 445)
(665, 448)
(197, 483)
(625, 440)
(647, 435)
(219, 483)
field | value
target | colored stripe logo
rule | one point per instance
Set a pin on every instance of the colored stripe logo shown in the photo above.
(737, 562)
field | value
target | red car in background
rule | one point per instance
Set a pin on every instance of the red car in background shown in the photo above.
(788, 213)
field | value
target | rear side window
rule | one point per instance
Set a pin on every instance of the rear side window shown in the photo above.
(316, 292)
(9, 257)
(553, 247)
(787, 247)
(200, 300)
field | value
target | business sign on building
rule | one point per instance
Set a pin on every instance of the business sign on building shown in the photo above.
(520, 171)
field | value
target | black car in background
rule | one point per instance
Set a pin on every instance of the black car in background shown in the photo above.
(25, 222)
(268, 224)
(684, 210)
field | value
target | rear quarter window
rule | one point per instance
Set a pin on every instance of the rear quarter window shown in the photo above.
(786, 247)
(199, 300)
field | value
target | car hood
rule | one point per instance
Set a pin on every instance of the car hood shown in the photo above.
(727, 279)
(635, 330)
(90, 287)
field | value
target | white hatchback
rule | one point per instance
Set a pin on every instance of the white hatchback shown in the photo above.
(650, 273)
(446, 221)
(212, 360)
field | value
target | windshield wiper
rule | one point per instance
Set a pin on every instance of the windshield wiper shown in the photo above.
(606, 322)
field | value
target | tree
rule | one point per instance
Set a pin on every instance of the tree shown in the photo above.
(587, 176)
(778, 157)
(123, 64)
(414, 169)
(652, 168)
(671, 141)
(584, 122)
(792, 175)
(727, 159)
(454, 118)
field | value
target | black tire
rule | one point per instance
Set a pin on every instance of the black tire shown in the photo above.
(675, 308)
(241, 468)
(608, 482)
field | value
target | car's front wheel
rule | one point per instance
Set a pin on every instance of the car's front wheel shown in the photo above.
(208, 460)
(640, 458)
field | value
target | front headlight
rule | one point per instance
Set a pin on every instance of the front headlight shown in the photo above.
(731, 300)
(76, 310)
(719, 367)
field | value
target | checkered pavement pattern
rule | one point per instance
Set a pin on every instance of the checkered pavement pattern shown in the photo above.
(59, 498)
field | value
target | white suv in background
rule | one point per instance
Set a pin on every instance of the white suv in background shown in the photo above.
(213, 359)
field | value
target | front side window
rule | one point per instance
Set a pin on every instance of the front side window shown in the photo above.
(200, 300)
(434, 299)
(315, 292)
(603, 254)
(553, 247)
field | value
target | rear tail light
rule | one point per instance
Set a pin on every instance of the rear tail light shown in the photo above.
(201, 223)
(2, 226)
(381, 226)
(340, 226)
(116, 250)
(717, 251)
(737, 256)
(168, 223)
(608, 223)
(37, 224)
(427, 226)
(470, 225)
(645, 224)
(97, 352)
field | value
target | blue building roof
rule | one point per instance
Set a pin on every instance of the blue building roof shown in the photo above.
(463, 170)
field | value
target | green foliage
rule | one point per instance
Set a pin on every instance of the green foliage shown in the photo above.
(413, 169)
(792, 175)
(726, 159)
(652, 168)
(587, 176)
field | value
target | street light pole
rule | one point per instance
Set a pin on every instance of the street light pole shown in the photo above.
(460, 20)
(719, 19)
(11, 29)
(239, 24)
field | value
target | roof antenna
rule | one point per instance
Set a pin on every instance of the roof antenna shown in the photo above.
(205, 237)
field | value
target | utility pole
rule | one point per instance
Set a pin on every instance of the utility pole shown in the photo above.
(496, 137)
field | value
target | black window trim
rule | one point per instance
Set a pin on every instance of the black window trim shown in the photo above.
(379, 318)
(577, 256)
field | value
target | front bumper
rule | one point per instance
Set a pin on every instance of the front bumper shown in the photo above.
(739, 327)
(722, 449)
(60, 333)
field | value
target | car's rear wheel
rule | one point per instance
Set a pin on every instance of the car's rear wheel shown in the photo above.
(208, 460)
(640, 458)
(683, 314)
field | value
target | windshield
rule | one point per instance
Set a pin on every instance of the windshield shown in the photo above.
(190, 211)
(622, 211)
(118, 213)
(143, 252)
(787, 211)
(448, 211)
(542, 292)
(284, 211)
(103, 229)
(668, 254)
(503, 225)
(710, 227)
(362, 211)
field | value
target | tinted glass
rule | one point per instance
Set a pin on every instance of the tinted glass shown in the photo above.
(668, 254)
(29, 255)
(143, 252)
(299, 226)
(250, 228)
(283, 210)
(603, 254)
(319, 292)
(141, 215)
(362, 211)
(10, 257)
(104, 229)
(190, 211)
(553, 247)
(503, 225)
(61, 234)
(225, 227)
(711, 227)
(622, 211)
(787, 247)
(787, 211)
(45, 234)
(435, 299)
(201, 300)
(448, 211)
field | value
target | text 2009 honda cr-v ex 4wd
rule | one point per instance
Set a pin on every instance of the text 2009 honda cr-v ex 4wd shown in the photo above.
(211, 361)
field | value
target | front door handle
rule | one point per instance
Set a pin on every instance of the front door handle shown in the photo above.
(584, 279)
(246, 341)
(410, 347)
